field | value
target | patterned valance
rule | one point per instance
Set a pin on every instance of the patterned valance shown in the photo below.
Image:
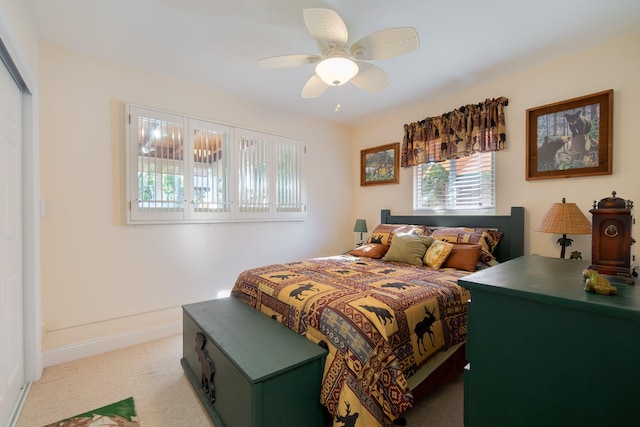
(471, 129)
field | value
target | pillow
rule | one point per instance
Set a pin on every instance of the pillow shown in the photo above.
(463, 256)
(370, 250)
(489, 239)
(487, 260)
(384, 233)
(409, 249)
(437, 253)
(486, 237)
(403, 230)
(381, 234)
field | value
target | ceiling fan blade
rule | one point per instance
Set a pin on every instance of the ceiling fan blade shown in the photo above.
(386, 44)
(327, 27)
(285, 61)
(314, 87)
(370, 77)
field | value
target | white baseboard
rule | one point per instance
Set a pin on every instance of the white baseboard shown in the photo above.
(68, 353)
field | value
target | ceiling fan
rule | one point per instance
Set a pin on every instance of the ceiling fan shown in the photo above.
(339, 63)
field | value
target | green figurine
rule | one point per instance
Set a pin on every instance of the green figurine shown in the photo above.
(575, 255)
(594, 282)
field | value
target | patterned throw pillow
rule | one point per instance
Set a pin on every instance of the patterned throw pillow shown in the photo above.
(487, 260)
(384, 233)
(487, 238)
(437, 253)
(463, 256)
(409, 249)
(370, 250)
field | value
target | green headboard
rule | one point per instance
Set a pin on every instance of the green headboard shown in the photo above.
(512, 227)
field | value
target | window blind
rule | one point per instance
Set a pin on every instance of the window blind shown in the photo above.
(464, 184)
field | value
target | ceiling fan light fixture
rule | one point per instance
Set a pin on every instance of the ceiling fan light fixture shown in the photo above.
(343, 63)
(336, 71)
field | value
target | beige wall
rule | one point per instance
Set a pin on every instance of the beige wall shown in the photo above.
(613, 65)
(103, 279)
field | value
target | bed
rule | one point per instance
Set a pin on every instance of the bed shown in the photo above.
(390, 323)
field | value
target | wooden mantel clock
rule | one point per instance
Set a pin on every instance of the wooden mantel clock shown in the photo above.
(611, 237)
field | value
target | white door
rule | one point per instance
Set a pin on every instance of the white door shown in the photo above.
(11, 285)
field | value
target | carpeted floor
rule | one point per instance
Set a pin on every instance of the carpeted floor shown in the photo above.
(152, 374)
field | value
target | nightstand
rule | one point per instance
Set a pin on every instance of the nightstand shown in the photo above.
(543, 352)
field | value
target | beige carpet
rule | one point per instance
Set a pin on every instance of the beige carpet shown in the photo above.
(152, 374)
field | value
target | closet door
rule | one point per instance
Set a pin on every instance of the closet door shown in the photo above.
(11, 242)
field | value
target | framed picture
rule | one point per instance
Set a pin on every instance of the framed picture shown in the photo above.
(571, 138)
(380, 165)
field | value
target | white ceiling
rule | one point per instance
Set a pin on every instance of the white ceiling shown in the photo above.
(217, 42)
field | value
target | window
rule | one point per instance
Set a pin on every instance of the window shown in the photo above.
(465, 185)
(181, 169)
(209, 178)
(269, 171)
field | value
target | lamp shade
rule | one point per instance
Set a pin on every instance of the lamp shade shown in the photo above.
(564, 218)
(336, 71)
(361, 226)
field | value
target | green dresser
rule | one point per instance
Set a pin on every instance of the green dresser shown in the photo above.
(543, 352)
(248, 369)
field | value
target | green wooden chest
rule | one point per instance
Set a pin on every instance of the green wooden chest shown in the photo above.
(248, 369)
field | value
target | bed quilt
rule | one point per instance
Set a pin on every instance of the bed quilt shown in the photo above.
(380, 321)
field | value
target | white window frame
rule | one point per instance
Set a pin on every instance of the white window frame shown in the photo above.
(453, 200)
(280, 181)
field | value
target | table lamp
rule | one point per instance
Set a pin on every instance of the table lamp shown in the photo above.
(564, 218)
(360, 227)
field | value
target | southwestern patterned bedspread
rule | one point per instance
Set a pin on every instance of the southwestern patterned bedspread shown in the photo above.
(381, 321)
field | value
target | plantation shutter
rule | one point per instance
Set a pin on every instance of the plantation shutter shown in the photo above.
(289, 159)
(183, 169)
(157, 183)
(463, 184)
(253, 174)
(209, 192)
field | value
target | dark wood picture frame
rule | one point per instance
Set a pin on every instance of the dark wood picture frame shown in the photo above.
(571, 138)
(380, 165)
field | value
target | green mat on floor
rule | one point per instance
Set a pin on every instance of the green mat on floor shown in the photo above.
(121, 413)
